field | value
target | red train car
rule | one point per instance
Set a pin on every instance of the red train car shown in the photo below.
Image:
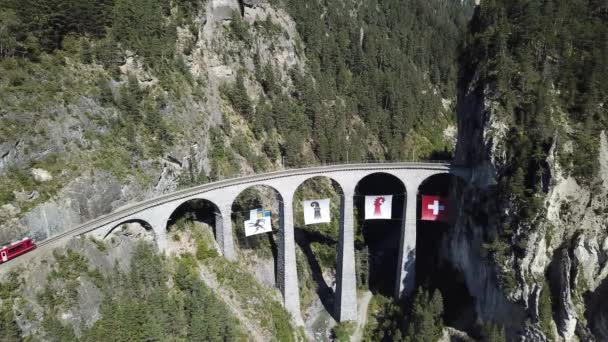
(15, 249)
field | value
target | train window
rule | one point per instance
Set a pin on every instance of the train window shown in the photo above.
(4, 257)
(16, 248)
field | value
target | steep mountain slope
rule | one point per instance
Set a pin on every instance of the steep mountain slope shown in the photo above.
(532, 239)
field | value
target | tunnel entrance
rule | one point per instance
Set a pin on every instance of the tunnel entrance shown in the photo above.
(434, 269)
(377, 241)
(258, 251)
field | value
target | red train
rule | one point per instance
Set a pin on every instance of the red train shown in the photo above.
(15, 249)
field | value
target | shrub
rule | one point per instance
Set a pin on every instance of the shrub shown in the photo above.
(343, 330)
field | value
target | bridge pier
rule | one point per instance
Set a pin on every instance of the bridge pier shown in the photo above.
(406, 272)
(223, 231)
(346, 282)
(287, 272)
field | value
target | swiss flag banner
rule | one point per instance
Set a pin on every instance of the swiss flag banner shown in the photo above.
(434, 208)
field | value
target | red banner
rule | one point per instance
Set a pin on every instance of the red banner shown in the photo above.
(434, 208)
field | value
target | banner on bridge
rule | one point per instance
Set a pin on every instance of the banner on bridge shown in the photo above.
(434, 208)
(317, 211)
(260, 221)
(378, 207)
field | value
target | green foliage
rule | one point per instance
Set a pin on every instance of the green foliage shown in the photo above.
(545, 312)
(237, 95)
(61, 289)
(140, 306)
(542, 67)
(363, 63)
(239, 28)
(426, 324)
(34, 25)
(493, 333)
(69, 266)
(325, 254)
(242, 146)
(55, 331)
(244, 286)
(141, 27)
(100, 244)
(204, 247)
(499, 251)
(343, 330)
(9, 329)
(306, 283)
(385, 320)
(10, 286)
(195, 175)
(224, 163)
(362, 261)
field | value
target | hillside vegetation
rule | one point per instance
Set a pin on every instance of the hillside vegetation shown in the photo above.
(544, 66)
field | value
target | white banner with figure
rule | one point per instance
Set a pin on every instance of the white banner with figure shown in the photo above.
(259, 222)
(317, 211)
(378, 207)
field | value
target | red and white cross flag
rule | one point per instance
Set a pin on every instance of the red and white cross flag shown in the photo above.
(378, 207)
(434, 208)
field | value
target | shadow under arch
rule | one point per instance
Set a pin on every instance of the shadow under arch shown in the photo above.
(144, 224)
(196, 210)
(258, 249)
(434, 270)
(377, 241)
(319, 242)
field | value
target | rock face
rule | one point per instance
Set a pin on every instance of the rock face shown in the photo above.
(222, 9)
(567, 248)
(81, 200)
(560, 274)
(41, 175)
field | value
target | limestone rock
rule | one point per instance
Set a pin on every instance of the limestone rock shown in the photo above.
(7, 211)
(83, 199)
(41, 175)
(223, 9)
(560, 278)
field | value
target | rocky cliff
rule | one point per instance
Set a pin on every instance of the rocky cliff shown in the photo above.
(544, 276)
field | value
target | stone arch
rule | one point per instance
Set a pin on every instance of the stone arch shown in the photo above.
(318, 242)
(143, 223)
(260, 250)
(196, 211)
(434, 269)
(377, 242)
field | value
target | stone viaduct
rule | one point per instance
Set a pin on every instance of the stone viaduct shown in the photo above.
(156, 213)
